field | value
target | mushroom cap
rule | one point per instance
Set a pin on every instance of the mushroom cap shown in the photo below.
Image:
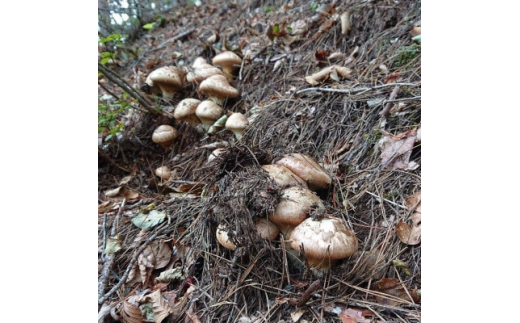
(237, 123)
(217, 87)
(294, 206)
(164, 134)
(223, 237)
(227, 60)
(266, 229)
(199, 61)
(170, 79)
(283, 176)
(163, 172)
(305, 167)
(324, 241)
(208, 112)
(202, 72)
(185, 111)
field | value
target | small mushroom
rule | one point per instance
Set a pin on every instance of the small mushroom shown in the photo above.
(324, 242)
(202, 71)
(164, 135)
(185, 111)
(229, 62)
(283, 176)
(237, 123)
(223, 237)
(169, 79)
(294, 206)
(266, 229)
(217, 88)
(305, 167)
(208, 112)
(163, 173)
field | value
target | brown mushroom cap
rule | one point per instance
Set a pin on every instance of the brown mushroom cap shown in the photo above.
(208, 112)
(202, 72)
(164, 135)
(229, 62)
(185, 111)
(266, 229)
(223, 237)
(237, 123)
(163, 173)
(294, 206)
(283, 176)
(324, 241)
(217, 88)
(170, 79)
(308, 169)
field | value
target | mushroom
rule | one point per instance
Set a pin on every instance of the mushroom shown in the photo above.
(208, 112)
(308, 169)
(223, 237)
(324, 242)
(266, 229)
(169, 79)
(185, 111)
(202, 72)
(217, 88)
(229, 62)
(294, 206)
(236, 123)
(283, 176)
(164, 135)
(163, 173)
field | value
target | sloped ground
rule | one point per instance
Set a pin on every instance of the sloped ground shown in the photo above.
(338, 122)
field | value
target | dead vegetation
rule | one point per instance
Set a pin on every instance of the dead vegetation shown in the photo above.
(340, 122)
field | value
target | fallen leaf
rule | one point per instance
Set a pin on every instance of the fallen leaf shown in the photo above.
(113, 244)
(170, 274)
(130, 311)
(161, 308)
(392, 286)
(155, 256)
(295, 316)
(148, 220)
(351, 315)
(411, 234)
(397, 149)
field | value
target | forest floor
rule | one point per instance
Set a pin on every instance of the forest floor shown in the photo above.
(158, 257)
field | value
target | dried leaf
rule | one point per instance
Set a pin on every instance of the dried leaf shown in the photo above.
(397, 149)
(170, 274)
(393, 287)
(113, 192)
(149, 220)
(161, 308)
(130, 312)
(125, 180)
(413, 202)
(355, 315)
(113, 244)
(105, 206)
(411, 235)
(295, 316)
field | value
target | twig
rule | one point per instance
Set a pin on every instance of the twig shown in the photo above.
(109, 260)
(112, 76)
(174, 38)
(308, 293)
(404, 99)
(364, 89)
(102, 299)
(388, 201)
(109, 92)
(386, 110)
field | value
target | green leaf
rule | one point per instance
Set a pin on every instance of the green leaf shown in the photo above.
(146, 221)
(276, 29)
(149, 26)
(289, 29)
(105, 60)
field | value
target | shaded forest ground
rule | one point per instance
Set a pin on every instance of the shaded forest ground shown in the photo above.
(348, 124)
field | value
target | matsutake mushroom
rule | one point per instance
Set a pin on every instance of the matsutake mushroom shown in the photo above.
(164, 135)
(308, 169)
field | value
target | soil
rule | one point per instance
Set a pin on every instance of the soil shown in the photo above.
(340, 122)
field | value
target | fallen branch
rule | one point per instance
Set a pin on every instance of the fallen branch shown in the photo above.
(308, 293)
(386, 110)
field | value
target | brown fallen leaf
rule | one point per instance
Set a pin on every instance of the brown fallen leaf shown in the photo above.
(351, 315)
(397, 149)
(411, 234)
(392, 287)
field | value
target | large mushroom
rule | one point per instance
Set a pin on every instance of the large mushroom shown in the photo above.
(293, 208)
(308, 169)
(201, 71)
(217, 88)
(169, 79)
(228, 61)
(323, 242)
(164, 135)
(237, 123)
(185, 111)
(208, 112)
(283, 176)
